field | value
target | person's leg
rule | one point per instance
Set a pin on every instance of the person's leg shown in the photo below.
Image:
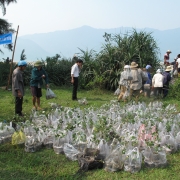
(131, 94)
(18, 106)
(165, 91)
(39, 94)
(34, 95)
(34, 101)
(38, 103)
(155, 92)
(121, 93)
(75, 87)
(136, 94)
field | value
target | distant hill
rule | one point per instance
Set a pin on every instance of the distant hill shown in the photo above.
(66, 42)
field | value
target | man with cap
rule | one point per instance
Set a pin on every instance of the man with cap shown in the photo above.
(148, 69)
(18, 86)
(166, 80)
(166, 57)
(36, 82)
(137, 78)
(157, 83)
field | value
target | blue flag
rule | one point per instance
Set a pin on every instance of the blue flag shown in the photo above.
(6, 38)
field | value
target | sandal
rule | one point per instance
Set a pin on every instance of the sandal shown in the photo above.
(34, 108)
(39, 109)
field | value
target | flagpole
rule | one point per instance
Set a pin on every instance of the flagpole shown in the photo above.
(10, 73)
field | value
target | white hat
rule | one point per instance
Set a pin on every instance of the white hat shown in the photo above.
(126, 67)
(158, 71)
(168, 51)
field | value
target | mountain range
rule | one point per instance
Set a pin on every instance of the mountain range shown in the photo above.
(67, 42)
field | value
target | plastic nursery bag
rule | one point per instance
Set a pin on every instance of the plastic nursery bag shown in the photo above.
(154, 158)
(133, 161)
(70, 152)
(18, 138)
(50, 94)
(175, 72)
(117, 92)
(90, 159)
(115, 161)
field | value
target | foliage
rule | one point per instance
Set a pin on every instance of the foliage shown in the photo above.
(103, 69)
(6, 27)
(3, 4)
(4, 72)
(175, 89)
(118, 50)
(58, 70)
(23, 56)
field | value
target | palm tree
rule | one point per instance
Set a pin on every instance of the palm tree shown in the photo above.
(3, 4)
(23, 56)
(5, 26)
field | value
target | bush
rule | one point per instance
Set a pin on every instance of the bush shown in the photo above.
(175, 89)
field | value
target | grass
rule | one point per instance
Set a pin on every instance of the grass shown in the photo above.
(16, 164)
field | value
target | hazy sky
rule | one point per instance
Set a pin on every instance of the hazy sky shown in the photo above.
(40, 16)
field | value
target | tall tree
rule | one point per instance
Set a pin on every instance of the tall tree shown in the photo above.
(5, 26)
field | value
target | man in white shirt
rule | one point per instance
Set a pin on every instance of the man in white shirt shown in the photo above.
(178, 62)
(75, 70)
(157, 83)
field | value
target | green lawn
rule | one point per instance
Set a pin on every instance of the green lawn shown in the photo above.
(16, 164)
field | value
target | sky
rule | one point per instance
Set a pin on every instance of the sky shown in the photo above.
(42, 16)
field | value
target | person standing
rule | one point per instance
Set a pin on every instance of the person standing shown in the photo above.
(75, 70)
(18, 86)
(166, 57)
(167, 79)
(178, 63)
(157, 83)
(124, 82)
(137, 78)
(36, 82)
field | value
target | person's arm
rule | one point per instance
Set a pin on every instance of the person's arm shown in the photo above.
(169, 77)
(72, 74)
(16, 85)
(144, 78)
(177, 64)
(45, 78)
(153, 81)
(165, 58)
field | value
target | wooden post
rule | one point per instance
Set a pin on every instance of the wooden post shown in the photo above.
(10, 73)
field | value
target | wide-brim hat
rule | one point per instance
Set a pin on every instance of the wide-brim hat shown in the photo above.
(134, 65)
(168, 68)
(168, 51)
(38, 63)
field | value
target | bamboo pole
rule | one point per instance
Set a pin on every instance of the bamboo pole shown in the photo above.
(10, 73)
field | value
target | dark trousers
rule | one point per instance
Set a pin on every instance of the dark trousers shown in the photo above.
(157, 91)
(75, 87)
(165, 90)
(18, 106)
